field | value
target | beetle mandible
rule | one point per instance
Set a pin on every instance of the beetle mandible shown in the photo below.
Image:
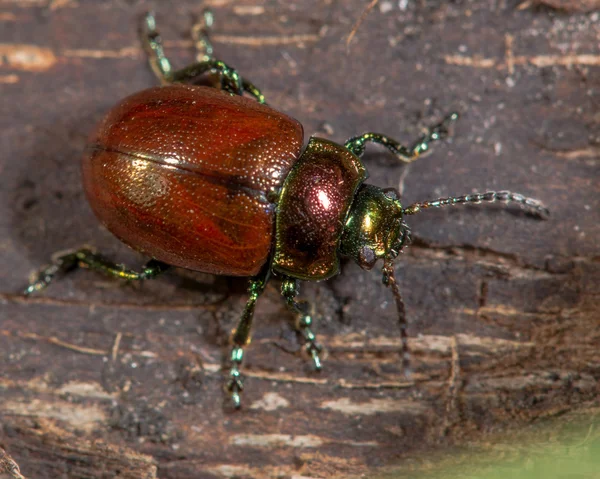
(210, 180)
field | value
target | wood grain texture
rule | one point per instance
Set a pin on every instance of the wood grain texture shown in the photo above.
(99, 377)
(565, 5)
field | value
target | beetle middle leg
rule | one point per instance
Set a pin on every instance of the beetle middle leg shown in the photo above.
(437, 132)
(304, 321)
(231, 80)
(86, 258)
(240, 337)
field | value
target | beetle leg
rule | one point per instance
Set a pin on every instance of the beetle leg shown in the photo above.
(253, 90)
(200, 35)
(86, 258)
(240, 337)
(304, 321)
(357, 144)
(231, 80)
(152, 43)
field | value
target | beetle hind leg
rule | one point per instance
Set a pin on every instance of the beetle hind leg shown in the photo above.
(304, 322)
(240, 337)
(152, 43)
(68, 261)
(231, 80)
(204, 48)
(437, 132)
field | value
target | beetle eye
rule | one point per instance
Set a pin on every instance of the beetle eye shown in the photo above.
(391, 193)
(367, 258)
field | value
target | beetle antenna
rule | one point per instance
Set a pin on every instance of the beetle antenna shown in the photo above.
(389, 280)
(529, 205)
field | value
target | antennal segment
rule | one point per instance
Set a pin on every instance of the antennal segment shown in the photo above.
(529, 205)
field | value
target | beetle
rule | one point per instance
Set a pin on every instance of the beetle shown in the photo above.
(214, 180)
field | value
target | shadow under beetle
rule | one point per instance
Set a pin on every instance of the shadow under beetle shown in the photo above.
(207, 179)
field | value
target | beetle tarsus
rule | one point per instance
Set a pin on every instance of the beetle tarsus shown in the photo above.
(304, 322)
(43, 278)
(314, 350)
(437, 132)
(231, 80)
(235, 385)
(237, 401)
(405, 154)
(240, 337)
(65, 262)
(200, 36)
(152, 43)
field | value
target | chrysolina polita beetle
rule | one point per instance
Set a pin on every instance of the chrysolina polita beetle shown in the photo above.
(207, 179)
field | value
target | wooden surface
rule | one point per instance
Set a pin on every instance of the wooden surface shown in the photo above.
(104, 379)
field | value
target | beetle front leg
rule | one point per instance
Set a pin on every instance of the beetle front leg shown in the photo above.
(304, 321)
(437, 132)
(240, 337)
(68, 261)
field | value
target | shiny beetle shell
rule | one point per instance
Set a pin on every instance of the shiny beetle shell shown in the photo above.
(190, 175)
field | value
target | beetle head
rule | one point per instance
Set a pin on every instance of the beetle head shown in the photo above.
(374, 228)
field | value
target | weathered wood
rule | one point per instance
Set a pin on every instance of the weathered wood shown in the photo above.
(8, 467)
(99, 377)
(47, 446)
(565, 5)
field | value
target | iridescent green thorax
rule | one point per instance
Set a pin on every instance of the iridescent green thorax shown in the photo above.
(313, 207)
(374, 228)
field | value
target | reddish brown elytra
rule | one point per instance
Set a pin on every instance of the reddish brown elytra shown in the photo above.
(182, 174)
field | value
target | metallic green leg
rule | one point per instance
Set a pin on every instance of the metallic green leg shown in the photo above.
(86, 258)
(240, 337)
(152, 43)
(231, 80)
(253, 90)
(357, 144)
(289, 290)
(205, 50)
(200, 36)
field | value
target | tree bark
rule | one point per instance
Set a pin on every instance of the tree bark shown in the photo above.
(105, 379)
